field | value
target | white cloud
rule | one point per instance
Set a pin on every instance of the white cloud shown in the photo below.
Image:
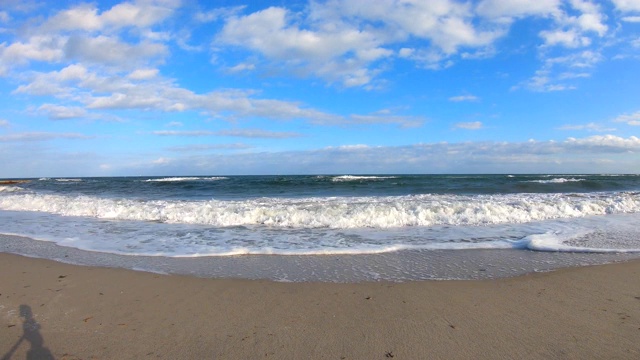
(508, 9)
(554, 72)
(474, 125)
(106, 92)
(41, 136)
(140, 14)
(576, 31)
(111, 51)
(629, 119)
(81, 17)
(143, 74)
(344, 40)
(162, 161)
(592, 127)
(568, 38)
(218, 13)
(402, 121)
(184, 133)
(4, 123)
(320, 52)
(39, 48)
(209, 147)
(56, 83)
(631, 19)
(461, 98)
(81, 33)
(607, 153)
(258, 133)
(246, 133)
(241, 67)
(59, 112)
(627, 5)
(605, 142)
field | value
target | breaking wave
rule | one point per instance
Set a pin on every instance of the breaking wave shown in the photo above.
(335, 212)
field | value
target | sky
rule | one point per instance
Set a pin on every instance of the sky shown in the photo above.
(186, 87)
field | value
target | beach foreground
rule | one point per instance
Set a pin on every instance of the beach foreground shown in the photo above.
(55, 310)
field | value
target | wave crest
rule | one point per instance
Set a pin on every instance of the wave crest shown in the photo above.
(348, 213)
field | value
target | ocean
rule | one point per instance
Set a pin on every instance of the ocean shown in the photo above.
(339, 228)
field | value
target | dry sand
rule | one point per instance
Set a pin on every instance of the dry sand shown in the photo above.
(49, 309)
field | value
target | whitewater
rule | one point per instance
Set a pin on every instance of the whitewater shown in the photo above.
(327, 227)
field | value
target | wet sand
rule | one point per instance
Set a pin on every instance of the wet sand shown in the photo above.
(54, 310)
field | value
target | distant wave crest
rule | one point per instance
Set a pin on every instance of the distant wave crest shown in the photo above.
(556, 181)
(190, 178)
(10, 189)
(359, 178)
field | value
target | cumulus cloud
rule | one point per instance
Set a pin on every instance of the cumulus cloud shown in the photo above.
(82, 33)
(627, 5)
(272, 33)
(348, 41)
(140, 14)
(39, 48)
(59, 112)
(574, 31)
(343, 41)
(112, 51)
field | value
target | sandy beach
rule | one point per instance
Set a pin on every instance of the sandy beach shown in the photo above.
(55, 310)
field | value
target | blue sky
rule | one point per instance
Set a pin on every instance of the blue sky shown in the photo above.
(169, 87)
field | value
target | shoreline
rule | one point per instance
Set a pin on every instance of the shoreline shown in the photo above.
(397, 266)
(79, 312)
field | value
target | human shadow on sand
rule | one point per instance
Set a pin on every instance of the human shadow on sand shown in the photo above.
(30, 333)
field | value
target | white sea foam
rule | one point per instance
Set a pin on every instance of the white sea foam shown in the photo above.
(10, 189)
(555, 242)
(335, 212)
(594, 234)
(359, 178)
(68, 180)
(191, 178)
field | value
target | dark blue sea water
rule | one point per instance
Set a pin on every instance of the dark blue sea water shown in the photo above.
(403, 224)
